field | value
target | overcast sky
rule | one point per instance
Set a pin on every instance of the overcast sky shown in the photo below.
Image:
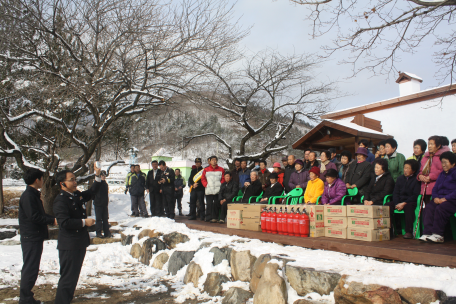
(281, 25)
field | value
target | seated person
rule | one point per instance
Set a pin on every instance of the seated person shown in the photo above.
(325, 164)
(228, 190)
(299, 177)
(280, 172)
(405, 196)
(443, 204)
(335, 189)
(359, 174)
(252, 188)
(315, 186)
(275, 188)
(380, 185)
(345, 162)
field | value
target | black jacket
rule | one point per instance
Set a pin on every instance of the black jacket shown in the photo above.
(359, 175)
(169, 177)
(190, 179)
(152, 181)
(309, 165)
(33, 220)
(229, 190)
(69, 209)
(138, 184)
(179, 182)
(275, 190)
(377, 190)
(286, 177)
(406, 190)
(102, 195)
(235, 175)
(254, 189)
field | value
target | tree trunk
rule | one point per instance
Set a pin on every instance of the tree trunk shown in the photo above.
(49, 191)
(89, 203)
(1, 185)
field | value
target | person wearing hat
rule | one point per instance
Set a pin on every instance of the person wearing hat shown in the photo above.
(280, 172)
(359, 174)
(285, 161)
(335, 189)
(154, 190)
(274, 189)
(289, 169)
(299, 177)
(127, 179)
(263, 174)
(101, 202)
(197, 193)
(315, 186)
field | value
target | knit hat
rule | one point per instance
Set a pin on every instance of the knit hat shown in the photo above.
(273, 175)
(299, 162)
(284, 158)
(362, 151)
(315, 170)
(276, 165)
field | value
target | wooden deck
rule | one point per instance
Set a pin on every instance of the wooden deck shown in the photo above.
(398, 249)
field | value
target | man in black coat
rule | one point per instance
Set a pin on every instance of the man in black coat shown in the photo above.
(290, 168)
(179, 185)
(137, 187)
(275, 189)
(101, 202)
(254, 188)
(33, 223)
(73, 240)
(228, 190)
(236, 170)
(359, 174)
(167, 186)
(154, 190)
(197, 193)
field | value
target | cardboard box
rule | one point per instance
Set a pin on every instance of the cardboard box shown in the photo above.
(255, 207)
(315, 212)
(368, 235)
(364, 222)
(233, 219)
(334, 232)
(335, 210)
(335, 221)
(235, 206)
(251, 215)
(368, 211)
(317, 232)
(251, 224)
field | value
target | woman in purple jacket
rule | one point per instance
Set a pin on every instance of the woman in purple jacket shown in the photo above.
(325, 164)
(335, 188)
(443, 204)
(299, 177)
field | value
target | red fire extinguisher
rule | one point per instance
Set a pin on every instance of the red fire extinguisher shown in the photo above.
(284, 222)
(279, 221)
(290, 222)
(274, 221)
(263, 219)
(268, 220)
(304, 224)
(296, 217)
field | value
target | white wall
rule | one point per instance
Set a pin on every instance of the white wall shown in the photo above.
(418, 120)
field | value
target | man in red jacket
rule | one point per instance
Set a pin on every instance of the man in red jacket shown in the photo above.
(212, 179)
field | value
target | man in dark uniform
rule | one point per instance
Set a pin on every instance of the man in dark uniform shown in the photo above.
(167, 186)
(33, 223)
(197, 193)
(137, 187)
(73, 240)
(101, 202)
(179, 185)
(153, 188)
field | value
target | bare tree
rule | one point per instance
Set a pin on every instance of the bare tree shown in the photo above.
(76, 67)
(265, 95)
(377, 32)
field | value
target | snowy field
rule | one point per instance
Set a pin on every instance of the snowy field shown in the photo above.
(112, 264)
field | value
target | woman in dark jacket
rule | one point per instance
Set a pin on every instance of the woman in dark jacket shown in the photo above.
(359, 174)
(299, 177)
(380, 185)
(345, 162)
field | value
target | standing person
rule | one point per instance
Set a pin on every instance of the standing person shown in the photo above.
(419, 147)
(289, 169)
(299, 177)
(179, 185)
(313, 162)
(334, 159)
(101, 202)
(256, 165)
(197, 193)
(395, 160)
(154, 190)
(364, 143)
(285, 161)
(279, 171)
(228, 191)
(359, 174)
(306, 156)
(381, 149)
(235, 172)
(73, 239)
(212, 179)
(326, 164)
(127, 179)
(33, 223)
(137, 187)
(244, 174)
(453, 145)
(345, 162)
(166, 182)
(263, 174)
(335, 189)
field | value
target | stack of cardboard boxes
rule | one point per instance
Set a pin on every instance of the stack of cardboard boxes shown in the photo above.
(357, 222)
(245, 216)
(317, 223)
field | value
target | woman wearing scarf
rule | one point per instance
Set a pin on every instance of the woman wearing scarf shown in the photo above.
(326, 164)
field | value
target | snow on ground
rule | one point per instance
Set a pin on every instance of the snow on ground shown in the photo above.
(112, 264)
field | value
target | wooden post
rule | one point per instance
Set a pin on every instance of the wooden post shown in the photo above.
(356, 144)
